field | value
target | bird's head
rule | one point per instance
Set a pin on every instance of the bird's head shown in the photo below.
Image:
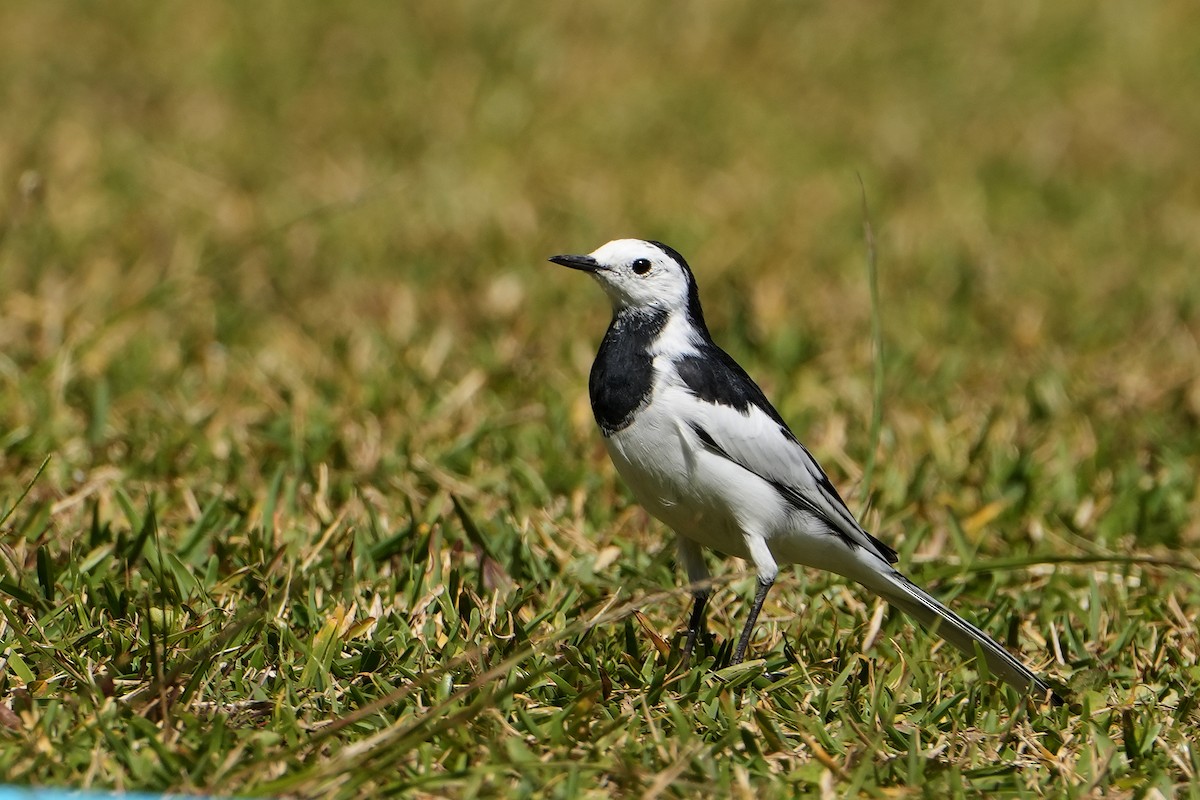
(641, 275)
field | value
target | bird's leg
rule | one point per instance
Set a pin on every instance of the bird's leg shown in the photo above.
(760, 554)
(764, 586)
(695, 624)
(697, 572)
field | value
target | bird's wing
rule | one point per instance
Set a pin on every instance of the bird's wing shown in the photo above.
(737, 422)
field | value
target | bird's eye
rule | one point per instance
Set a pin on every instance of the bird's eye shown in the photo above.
(641, 266)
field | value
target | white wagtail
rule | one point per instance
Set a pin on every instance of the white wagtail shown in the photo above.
(705, 452)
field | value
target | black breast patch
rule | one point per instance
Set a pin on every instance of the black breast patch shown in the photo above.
(623, 373)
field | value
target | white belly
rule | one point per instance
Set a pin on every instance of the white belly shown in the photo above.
(699, 494)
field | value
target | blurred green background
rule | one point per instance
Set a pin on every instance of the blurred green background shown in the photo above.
(273, 287)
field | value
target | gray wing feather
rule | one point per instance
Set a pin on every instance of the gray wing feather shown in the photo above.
(764, 446)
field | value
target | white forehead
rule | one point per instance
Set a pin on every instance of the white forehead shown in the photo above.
(622, 251)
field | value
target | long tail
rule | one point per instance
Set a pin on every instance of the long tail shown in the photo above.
(903, 593)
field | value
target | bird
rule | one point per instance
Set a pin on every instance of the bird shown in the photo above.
(705, 452)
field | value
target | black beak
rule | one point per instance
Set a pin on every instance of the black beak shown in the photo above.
(585, 263)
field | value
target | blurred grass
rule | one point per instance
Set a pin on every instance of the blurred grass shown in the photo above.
(325, 512)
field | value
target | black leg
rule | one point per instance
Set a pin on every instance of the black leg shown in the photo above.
(697, 572)
(695, 624)
(764, 586)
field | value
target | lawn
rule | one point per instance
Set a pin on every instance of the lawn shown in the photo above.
(300, 493)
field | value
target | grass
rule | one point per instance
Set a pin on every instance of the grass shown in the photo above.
(300, 491)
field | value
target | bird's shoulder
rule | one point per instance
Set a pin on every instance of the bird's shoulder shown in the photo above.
(713, 376)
